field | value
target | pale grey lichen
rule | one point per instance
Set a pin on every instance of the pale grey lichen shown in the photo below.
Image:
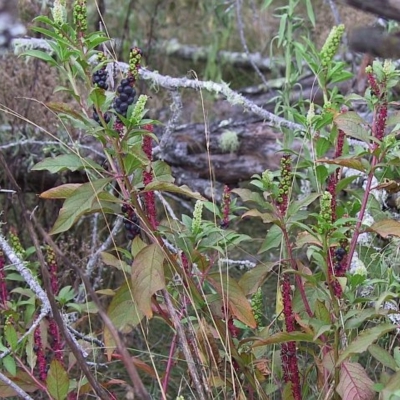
(229, 141)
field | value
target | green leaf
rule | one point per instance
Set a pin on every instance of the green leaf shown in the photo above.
(64, 162)
(10, 365)
(169, 187)
(354, 383)
(237, 302)
(57, 381)
(352, 125)
(162, 172)
(147, 276)
(131, 164)
(137, 246)
(272, 240)
(11, 336)
(283, 337)
(322, 313)
(255, 277)
(123, 313)
(304, 203)
(80, 202)
(112, 261)
(60, 192)
(393, 386)
(248, 195)
(386, 228)
(382, 356)
(64, 108)
(364, 340)
(41, 55)
(267, 218)
(394, 119)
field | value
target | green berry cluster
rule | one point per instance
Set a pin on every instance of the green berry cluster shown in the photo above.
(135, 57)
(286, 178)
(16, 243)
(80, 16)
(331, 45)
(257, 306)
(326, 207)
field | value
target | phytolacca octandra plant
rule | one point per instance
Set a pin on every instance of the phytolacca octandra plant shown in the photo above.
(131, 222)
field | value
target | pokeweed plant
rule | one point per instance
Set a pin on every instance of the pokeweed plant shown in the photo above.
(169, 273)
(179, 272)
(332, 312)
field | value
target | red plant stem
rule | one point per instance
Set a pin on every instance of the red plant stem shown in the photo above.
(378, 129)
(299, 283)
(169, 364)
(31, 375)
(361, 213)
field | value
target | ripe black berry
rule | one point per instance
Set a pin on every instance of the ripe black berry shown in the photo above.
(340, 253)
(123, 107)
(129, 90)
(99, 79)
(123, 97)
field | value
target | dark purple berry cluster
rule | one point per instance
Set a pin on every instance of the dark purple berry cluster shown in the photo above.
(99, 79)
(96, 117)
(131, 223)
(125, 96)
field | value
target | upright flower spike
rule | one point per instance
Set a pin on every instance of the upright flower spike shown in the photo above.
(56, 344)
(331, 45)
(59, 12)
(41, 359)
(80, 17)
(197, 216)
(288, 351)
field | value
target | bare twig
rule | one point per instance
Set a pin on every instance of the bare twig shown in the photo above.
(223, 89)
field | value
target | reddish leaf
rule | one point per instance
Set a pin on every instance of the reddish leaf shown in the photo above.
(254, 278)
(353, 125)
(60, 192)
(350, 162)
(354, 383)
(57, 381)
(267, 218)
(147, 277)
(386, 228)
(237, 302)
(23, 380)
